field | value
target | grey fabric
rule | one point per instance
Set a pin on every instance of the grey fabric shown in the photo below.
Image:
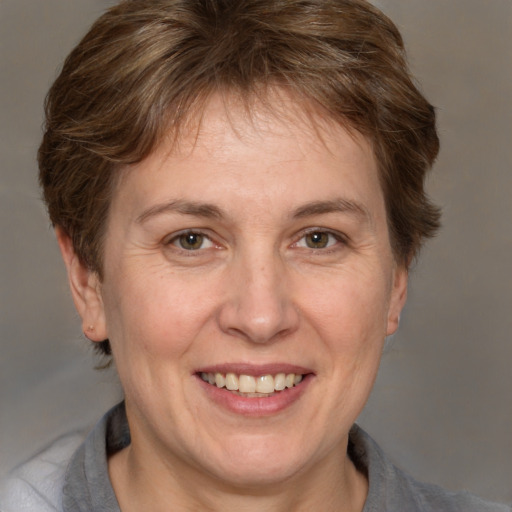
(87, 484)
(392, 490)
(83, 485)
(37, 485)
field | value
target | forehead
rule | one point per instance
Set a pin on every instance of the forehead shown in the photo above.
(278, 113)
(227, 127)
(233, 147)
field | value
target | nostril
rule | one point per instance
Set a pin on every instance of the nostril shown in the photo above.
(258, 306)
(253, 324)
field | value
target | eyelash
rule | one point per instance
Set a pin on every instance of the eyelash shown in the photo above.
(339, 238)
(176, 237)
(334, 239)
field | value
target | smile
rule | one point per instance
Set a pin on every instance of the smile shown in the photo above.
(252, 386)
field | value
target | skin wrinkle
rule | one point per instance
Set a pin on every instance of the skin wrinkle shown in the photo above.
(210, 211)
(261, 299)
(124, 60)
(251, 126)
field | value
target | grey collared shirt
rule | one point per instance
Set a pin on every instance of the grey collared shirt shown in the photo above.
(49, 484)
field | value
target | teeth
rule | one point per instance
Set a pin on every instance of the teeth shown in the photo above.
(220, 380)
(231, 382)
(246, 384)
(253, 386)
(265, 384)
(280, 381)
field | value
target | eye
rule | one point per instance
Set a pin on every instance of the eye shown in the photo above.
(191, 241)
(318, 240)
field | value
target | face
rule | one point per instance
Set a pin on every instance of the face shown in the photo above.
(255, 256)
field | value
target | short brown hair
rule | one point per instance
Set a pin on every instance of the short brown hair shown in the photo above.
(146, 66)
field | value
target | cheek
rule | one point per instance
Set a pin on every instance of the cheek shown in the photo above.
(353, 312)
(156, 317)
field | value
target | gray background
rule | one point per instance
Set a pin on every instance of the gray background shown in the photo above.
(442, 406)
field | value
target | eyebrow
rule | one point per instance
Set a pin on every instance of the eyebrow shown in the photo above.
(210, 211)
(338, 205)
(196, 209)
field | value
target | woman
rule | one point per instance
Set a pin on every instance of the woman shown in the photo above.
(237, 191)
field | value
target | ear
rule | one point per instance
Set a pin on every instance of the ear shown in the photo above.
(85, 288)
(398, 298)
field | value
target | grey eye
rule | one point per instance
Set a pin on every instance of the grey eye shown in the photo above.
(318, 240)
(191, 241)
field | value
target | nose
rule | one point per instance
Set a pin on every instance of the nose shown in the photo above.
(259, 304)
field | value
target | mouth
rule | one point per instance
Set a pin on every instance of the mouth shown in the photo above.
(255, 390)
(253, 386)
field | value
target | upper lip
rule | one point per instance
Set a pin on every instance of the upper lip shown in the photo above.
(254, 369)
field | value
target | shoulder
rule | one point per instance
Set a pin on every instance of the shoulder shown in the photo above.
(393, 490)
(432, 498)
(37, 484)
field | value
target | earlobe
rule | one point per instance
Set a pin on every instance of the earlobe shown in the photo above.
(85, 288)
(398, 299)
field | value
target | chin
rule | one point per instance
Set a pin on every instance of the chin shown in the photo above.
(262, 463)
(257, 476)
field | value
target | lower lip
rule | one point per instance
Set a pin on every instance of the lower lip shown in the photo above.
(256, 406)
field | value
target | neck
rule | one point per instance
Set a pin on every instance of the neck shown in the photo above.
(149, 483)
